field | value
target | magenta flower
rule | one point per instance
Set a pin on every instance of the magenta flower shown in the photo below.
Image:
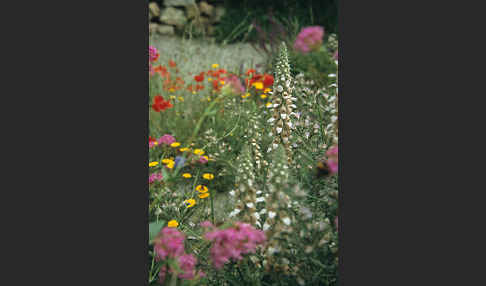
(232, 243)
(332, 160)
(187, 263)
(166, 139)
(202, 160)
(153, 54)
(169, 244)
(155, 177)
(309, 39)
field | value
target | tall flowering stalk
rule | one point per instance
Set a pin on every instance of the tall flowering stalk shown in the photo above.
(255, 137)
(279, 217)
(246, 191)
(282, 104)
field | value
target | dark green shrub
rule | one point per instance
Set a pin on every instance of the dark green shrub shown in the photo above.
(236, 25)
(314, 65)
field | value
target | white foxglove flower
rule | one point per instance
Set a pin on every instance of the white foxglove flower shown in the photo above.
(250, 205)
(271, 214)
(279, 130)
(286, 220)
(266, 226)
(332, 75)
(271, 120)
(260, 199)
(235, 212)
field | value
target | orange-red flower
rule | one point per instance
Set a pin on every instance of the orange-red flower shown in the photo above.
(160, 104)
(172, 64)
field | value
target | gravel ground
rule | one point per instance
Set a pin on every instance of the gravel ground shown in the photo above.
(194, 56)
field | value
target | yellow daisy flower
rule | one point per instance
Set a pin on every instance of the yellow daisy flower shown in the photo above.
(170, 165)
(181, 98)
(171, 89)
(166, 161)
(190, 203)
(263, 96)
(258, 85)
(199, 152)
(175, 144)
(268, 104)
(153, 164)
(187, 175)
(221, 81)
(215, 66)
(184, 149)
(172, 223)
(267, 90)
(210, 79)
(172, 97)
(204, 195)
(202, 189)
(208, 176)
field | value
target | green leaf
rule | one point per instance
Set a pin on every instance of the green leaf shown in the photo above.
(154, 229)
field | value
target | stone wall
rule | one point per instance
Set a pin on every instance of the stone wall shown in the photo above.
(199, 17)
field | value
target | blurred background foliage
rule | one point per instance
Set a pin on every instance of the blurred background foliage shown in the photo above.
(236, 25)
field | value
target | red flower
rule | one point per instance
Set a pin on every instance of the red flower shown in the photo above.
(160, 104)
(172, 64)
(250, 71)
(268, 80)
(223, 71)
(199, 87)
(199, 77)
(215, 84)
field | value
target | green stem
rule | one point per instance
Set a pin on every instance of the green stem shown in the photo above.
(212, 205)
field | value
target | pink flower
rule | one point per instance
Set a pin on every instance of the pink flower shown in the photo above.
(235, 84)
(187, 262)
(309, 39)
(232, 243)
(166, 139)
(155, 177)
(332, 160)
(169, 244)
(336, 55)
(153, 54)
(206, 224)
(203, 160)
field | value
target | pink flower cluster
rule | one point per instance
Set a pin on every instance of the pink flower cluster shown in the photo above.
(155, 177)
(235, 84)
(153, 54)
(332, 161)
(309, 39)
(169, 244)
(232, 242)
(166, 139)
